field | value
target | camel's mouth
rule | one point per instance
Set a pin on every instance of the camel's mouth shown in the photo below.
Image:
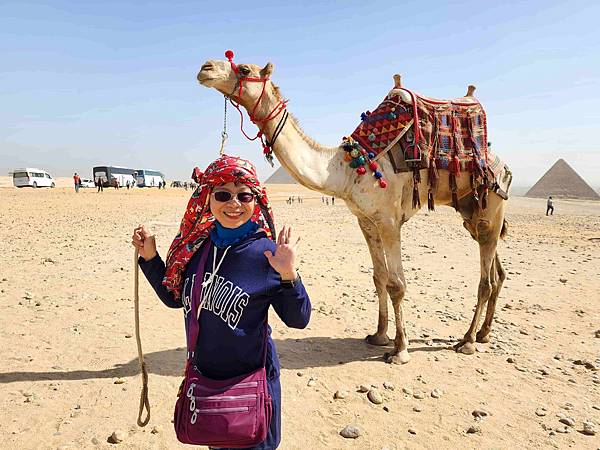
(209, 76)
(204, 77)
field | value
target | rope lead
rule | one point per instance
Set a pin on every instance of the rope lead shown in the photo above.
(144, 401)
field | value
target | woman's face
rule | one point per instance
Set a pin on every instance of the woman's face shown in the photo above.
(233, 212)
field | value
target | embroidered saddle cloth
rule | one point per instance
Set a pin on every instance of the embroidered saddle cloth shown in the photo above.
(440, 129)
(418, 132)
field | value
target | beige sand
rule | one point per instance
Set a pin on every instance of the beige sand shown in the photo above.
(66, 321)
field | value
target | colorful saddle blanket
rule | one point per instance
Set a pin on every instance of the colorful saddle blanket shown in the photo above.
(416, 132)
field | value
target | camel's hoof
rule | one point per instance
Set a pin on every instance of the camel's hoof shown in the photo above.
(397, 358)
(377, 339)
(483, 338)
(466, 348)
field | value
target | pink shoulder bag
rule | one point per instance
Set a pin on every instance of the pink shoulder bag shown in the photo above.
(233, 413)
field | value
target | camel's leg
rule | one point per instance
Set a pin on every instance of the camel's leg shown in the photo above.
(483, 335)
(373, 239)
(396, 287)
(487, 253)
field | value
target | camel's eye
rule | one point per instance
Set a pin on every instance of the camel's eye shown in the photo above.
(244, 70)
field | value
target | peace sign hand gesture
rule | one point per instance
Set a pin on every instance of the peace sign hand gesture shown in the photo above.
(285, 255)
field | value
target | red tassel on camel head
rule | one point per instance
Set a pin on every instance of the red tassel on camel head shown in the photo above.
(229, 55)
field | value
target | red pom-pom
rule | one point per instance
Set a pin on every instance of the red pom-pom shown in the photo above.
(229, 55)
(363, 151)
(382, 183)
(361, 170)
(373, 166)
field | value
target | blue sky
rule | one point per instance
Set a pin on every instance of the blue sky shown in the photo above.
(90, 83)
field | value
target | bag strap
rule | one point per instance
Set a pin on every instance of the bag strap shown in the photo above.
(266, 339)
(193, 316)
(192, 326)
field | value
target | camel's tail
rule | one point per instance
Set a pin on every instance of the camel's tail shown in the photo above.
(504, 230)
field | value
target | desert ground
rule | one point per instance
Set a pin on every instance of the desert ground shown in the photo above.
(69, 375)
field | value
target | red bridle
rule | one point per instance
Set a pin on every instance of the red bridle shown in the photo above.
(260, 123)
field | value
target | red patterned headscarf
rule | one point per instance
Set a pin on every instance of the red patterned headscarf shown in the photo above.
(198, 220)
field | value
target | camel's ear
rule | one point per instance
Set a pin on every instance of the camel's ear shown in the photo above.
(267, 70)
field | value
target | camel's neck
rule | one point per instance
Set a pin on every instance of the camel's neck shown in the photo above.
(312, 165)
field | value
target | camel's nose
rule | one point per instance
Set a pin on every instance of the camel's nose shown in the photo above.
(208, 65)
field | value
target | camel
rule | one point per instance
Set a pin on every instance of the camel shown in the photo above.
(380, 212)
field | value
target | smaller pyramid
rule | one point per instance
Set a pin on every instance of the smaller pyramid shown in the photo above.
(280, 176)
(563, 182)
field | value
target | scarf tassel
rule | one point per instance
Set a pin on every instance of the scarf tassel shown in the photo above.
(484, 198)
(416, 201)
(452, 183)
(430, 202)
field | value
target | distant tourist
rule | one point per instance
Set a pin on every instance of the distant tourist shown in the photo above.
(550, 206)
(77, 182)
(99, 184)
(332, 201)
(128, 184)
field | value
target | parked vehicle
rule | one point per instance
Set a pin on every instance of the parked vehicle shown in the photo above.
(149, 178)
(30, 176)
(87, 183)
(113, 176)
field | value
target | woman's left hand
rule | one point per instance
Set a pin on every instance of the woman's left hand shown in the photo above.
(283, 261)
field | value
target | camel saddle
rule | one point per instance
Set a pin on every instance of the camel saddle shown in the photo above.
(417, 132)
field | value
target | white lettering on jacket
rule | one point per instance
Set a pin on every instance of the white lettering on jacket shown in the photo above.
(224, 300)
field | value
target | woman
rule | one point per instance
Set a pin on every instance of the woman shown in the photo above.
(245, 273)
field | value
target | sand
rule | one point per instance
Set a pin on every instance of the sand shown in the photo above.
(69, 374)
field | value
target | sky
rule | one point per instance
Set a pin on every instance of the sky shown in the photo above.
(87, 83)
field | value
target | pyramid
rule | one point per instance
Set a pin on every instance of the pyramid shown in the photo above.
(280, 176)
(562, 181)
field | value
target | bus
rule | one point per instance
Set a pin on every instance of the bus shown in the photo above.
(110, 175)
(149, 178)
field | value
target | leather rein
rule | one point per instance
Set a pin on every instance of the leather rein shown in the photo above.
(260, 123)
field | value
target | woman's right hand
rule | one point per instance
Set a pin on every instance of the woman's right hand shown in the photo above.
(144, 242)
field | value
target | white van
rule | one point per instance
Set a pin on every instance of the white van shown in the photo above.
(87, 183)
(30, 176)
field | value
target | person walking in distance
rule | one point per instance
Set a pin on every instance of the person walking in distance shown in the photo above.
(550, 206)
(77, 182)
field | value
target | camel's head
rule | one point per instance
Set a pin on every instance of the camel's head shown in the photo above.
(221, 76)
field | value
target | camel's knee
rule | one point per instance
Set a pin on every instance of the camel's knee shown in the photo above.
(485, 288)
(396, 288)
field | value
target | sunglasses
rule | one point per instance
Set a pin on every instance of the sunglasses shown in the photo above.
(224, 196)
